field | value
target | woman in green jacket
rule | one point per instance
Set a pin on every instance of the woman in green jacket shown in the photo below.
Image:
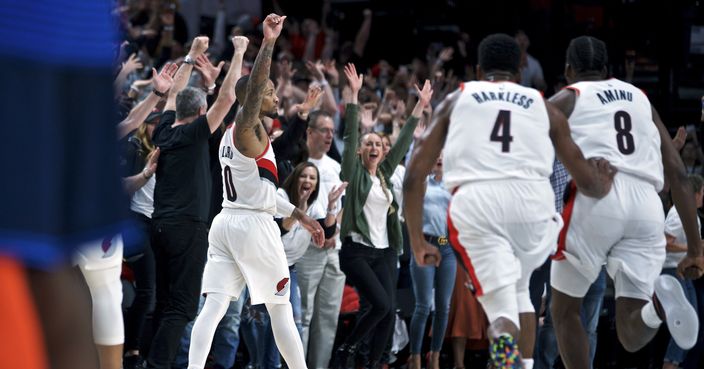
(371, 231)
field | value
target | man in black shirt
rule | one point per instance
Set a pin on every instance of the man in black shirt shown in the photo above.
(182, 203)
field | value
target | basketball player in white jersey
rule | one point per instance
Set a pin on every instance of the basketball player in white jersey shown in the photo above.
(244, 242)
(624, 230)
(499, 140)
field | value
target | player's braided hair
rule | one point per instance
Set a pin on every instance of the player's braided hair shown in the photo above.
(499, 52)
(587, 54)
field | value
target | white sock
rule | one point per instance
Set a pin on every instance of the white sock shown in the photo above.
(204, 327)
(650, 316)
(527, 363)
(286, 335)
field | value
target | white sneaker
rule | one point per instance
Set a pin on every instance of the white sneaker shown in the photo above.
(681, 318)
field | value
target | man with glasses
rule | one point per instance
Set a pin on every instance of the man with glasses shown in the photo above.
(319, 276)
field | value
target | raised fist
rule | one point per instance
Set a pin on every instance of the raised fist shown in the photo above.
(199, 45)
(272, 26)
(240, 43)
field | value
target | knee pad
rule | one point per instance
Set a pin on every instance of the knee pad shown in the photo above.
(106, 295)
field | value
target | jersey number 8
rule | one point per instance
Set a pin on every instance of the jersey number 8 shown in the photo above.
(624, 138)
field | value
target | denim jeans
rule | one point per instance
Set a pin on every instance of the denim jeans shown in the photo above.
(225, 341)
(546, 351)
(674, 353)
(425, 279)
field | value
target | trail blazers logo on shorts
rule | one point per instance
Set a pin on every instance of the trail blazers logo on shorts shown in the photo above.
(282, 287)
(107, 248)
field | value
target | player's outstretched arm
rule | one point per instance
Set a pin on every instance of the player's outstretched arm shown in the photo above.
(226, 96)
(311, 225)
(198, 47)
(692, 266)
(250, 137)
(593, 176)
(425, 155)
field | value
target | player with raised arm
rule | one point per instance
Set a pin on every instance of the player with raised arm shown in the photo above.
(498, 153)
(624, 230)
(245, 243)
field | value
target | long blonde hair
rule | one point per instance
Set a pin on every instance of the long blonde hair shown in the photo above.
(144, 138)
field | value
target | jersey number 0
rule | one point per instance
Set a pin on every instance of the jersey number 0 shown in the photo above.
(229, 185)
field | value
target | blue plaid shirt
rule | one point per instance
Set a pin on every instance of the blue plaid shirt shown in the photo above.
(559, 180)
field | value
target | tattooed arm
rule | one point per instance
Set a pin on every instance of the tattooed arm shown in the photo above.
(250, 137)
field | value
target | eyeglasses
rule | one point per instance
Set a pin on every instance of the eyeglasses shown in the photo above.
(325, 130)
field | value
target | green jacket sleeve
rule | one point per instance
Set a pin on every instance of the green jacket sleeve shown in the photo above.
(351, 138)
(400, 148)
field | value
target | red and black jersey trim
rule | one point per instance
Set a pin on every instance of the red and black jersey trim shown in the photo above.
(267, 170)
(567, 218)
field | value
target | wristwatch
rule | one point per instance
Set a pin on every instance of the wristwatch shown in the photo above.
(189, 60)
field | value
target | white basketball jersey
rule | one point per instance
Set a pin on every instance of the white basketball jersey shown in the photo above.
(248, 183)
(498, 130)
(613, 119)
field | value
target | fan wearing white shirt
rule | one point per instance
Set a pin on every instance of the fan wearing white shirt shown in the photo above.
(319, 275)
(302, 188)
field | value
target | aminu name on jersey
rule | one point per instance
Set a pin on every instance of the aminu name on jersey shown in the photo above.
(511, 97)
(614, 95)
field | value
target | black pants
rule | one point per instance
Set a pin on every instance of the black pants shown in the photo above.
(144, 280)
(179, 251)
(373, 273)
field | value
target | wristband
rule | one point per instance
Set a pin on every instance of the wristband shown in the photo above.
(189, 60)
(160, 94)
(211, 89)
(144, 174)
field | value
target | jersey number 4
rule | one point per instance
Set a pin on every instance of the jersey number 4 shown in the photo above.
(624, 138)
(502, 130)
(229, 185)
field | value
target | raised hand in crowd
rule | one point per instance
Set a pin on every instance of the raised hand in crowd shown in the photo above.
(162, 81)
(366, 120)
(312, 100)
(240, 43)
(161, 85)
(332, 72)
(209, 71)
(354, 80)
(198, 47)
(316, 70)
(128, 66)
(424, 96)
(680, 138)
(132, 64)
